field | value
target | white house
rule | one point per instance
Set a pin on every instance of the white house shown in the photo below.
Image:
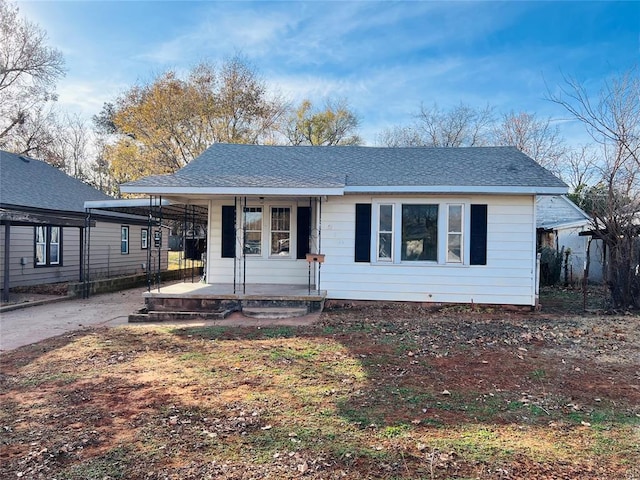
(449, 225)
(559, 224)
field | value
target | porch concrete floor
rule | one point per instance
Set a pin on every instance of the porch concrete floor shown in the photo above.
(225, 291)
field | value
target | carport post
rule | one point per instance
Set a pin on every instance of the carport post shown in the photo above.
(7, 259)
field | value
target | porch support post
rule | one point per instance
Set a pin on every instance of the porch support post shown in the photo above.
(7, 259)
(149, 240)
(86, 256)
(319, 240)
(244, 249)
(235, 240)
(160, 243)
(183, 251)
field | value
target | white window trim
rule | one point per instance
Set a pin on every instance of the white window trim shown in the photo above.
(443, 216)
(378, 232)
(246, 230)
(461, 233)
(125, 228)
(43, 243)
(270, 232)
(265, 236)
(57, 262)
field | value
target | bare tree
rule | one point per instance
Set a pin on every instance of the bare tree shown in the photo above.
(612, 119)
(28, 72)
(399, 136)
(580, 168)
(461, 126)
(70, 147)
(536, 137)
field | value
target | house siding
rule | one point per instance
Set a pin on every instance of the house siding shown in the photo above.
(508, 277)
(263, 269)
(106, 259)
(22, 246)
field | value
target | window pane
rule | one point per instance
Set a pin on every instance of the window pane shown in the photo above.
(40, 235)
(124, 240)
(253, 218)
(455, 218)
(384, 245)
(420, 232)
(53, 253)
(454, 249)
(253, 245)
(280, 219)
(280, 243)
(386, 218)
(40, 254)
(55, 234)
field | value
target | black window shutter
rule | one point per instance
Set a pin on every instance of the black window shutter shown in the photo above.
(228, 231)
(478, 253)
(303, 232)
(363, 232)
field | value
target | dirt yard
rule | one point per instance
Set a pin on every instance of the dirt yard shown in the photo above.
(393, 392)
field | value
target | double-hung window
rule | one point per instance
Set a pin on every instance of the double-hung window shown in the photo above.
(385, 233)
(455, 243)
(48, 241)
(253, 230)
(280, 231)
(124, 240)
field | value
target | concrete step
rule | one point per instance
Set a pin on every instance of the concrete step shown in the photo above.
(155, 316)
(274, 312)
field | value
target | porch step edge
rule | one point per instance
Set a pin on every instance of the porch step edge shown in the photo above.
(164, 316)
(274, 312)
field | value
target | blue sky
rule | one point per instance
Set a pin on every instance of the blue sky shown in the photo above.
(385, 58)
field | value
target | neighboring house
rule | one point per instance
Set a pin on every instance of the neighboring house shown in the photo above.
(44, 238)
(559, 222)
(395, 224)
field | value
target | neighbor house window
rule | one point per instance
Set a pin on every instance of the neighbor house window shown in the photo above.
(144, 239)
(385, 233)
(280, 231)
(253, 230)
(124, 240)
(454, 234)
(48, 241)
(419, 232)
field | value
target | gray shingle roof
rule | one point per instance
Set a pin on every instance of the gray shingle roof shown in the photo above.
(25, 182)
(231, 165)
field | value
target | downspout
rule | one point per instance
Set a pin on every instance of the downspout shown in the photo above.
(7, 258)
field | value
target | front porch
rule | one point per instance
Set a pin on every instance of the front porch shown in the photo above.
(185, 301)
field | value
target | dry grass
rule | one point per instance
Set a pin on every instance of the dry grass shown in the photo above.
(367, 393)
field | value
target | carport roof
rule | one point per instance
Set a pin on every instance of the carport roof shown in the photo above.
(143, 207)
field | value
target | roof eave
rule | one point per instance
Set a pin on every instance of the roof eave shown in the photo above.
(462, 189)
(240, 191)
